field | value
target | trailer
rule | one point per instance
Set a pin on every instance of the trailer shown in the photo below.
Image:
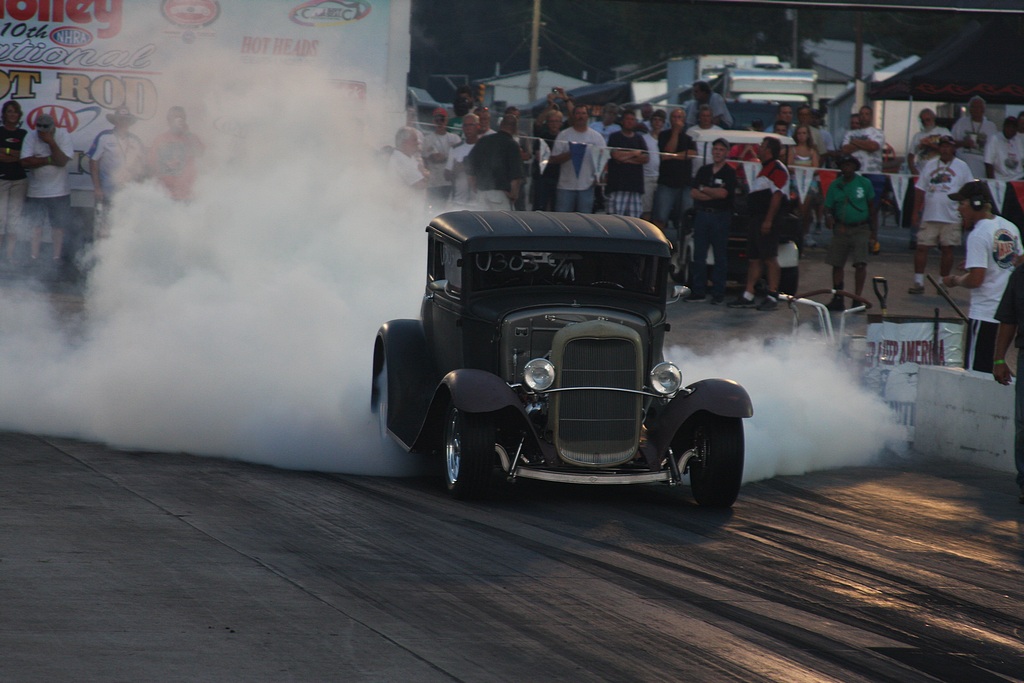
(782, 85)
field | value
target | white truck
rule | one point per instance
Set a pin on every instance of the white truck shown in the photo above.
(770, 84)
(82, 59)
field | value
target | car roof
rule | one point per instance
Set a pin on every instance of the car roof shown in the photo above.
(547, 231)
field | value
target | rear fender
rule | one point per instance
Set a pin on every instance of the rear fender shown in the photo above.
(411, 376)
(717, 396)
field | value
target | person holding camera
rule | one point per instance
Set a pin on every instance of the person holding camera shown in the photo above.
(559, 100)
(45, 155)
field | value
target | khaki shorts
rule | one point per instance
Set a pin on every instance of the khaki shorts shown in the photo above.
(847, 241)
(934, 233)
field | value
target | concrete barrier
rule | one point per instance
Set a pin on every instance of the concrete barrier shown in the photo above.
(964, 416)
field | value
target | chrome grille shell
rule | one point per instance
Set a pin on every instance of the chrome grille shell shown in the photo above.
(596, 423)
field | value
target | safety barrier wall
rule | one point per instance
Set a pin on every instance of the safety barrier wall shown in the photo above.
(964, 416)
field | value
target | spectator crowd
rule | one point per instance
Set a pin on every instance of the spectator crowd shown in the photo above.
(677, 169)
(35, 192)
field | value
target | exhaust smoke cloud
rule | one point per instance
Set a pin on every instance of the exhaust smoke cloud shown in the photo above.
(810, 413)
(241, 324)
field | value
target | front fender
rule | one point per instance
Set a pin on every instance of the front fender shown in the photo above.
(716, 396)
(471, 391)
(479, 391)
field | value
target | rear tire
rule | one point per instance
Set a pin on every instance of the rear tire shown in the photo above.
(682, 263)
(379, 401)
(469, 454)
(716, 470)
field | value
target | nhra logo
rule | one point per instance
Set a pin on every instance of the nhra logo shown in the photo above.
(191, 13)
(64, 118)
(70, 36)
(323, 13)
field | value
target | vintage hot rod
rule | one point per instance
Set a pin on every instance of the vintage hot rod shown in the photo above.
(539, 352)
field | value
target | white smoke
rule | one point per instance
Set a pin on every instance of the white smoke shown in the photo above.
(810, 412)
(241, 324)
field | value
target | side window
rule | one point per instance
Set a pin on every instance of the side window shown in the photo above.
(452, 267)
(446, 264)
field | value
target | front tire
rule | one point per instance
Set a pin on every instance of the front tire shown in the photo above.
(469, 454)
(716, 469)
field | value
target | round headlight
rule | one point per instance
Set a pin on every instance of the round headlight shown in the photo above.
(539, 374)
(666, 378)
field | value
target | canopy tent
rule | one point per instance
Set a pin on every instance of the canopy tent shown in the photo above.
(983, 59)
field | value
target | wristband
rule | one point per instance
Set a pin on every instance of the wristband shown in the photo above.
(999, 362)
(49, 160)
(7, 151)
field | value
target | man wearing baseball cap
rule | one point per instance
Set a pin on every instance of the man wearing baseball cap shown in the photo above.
(852, 216)
(993, 245)
(935, 214)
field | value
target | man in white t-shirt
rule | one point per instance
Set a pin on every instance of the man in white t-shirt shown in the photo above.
(45, 153)
(655, 124)
(705, 121)
(993, 245)
(463, 194)
(405, 163)
(935, 215)
(865, 143)
(972, 133)
(437, 145)
(924, 146)
(572, 151)
(1004, 153)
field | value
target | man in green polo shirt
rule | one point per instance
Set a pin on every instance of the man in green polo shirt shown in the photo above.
(852, 216)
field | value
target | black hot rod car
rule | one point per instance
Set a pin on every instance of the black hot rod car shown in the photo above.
(539, 351)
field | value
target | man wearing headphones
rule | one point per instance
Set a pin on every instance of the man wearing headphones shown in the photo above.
(993, 245)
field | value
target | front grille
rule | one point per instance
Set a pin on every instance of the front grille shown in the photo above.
(597, 427)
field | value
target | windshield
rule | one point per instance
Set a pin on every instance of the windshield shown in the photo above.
(500, 269)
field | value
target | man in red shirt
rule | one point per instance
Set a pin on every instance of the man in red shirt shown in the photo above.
(767, 204)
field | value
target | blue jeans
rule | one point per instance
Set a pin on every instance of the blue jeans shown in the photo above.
(575, 200)
(710, 228)
(1018, 421)
(667, 199)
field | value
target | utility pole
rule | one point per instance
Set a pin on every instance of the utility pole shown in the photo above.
(791, 15)
(534, 51)
(858, 58)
